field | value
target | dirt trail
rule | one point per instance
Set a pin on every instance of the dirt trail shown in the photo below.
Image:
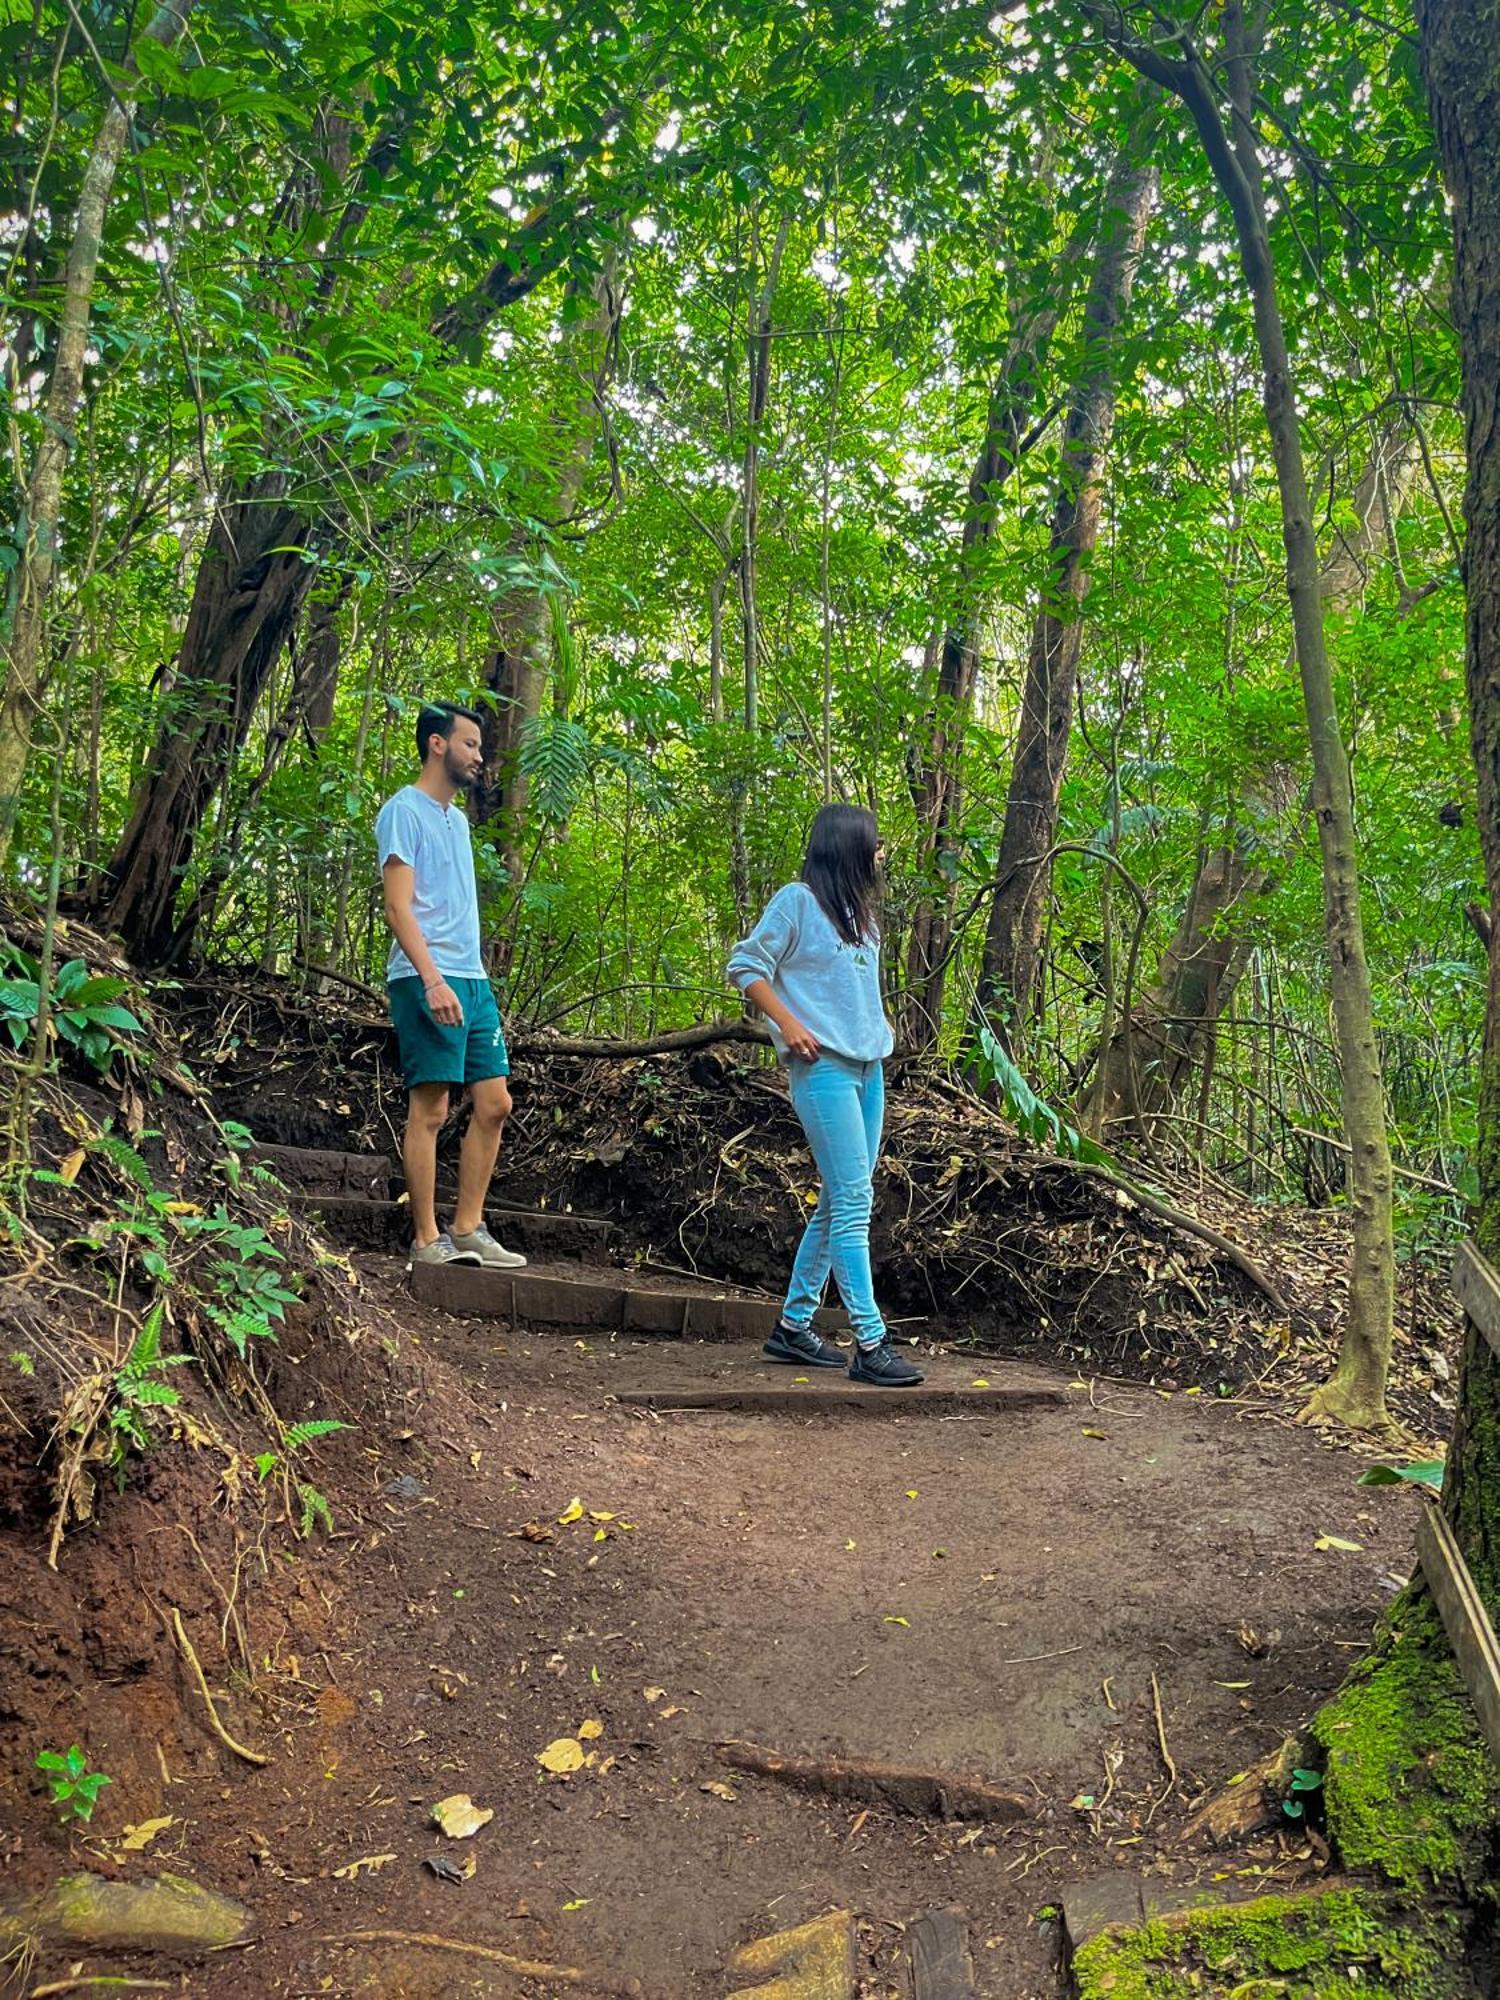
(989, 1594)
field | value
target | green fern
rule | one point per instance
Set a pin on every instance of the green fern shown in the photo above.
(554, 757)
(297, 1435)
(124, 1157)
(315, 1508)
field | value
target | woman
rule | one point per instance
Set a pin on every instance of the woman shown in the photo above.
(812, 967)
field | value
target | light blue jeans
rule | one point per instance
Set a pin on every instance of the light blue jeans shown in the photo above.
(842, 1107)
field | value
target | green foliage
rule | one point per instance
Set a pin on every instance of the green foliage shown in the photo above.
(1032, 1118)
(1422, 1472)
(138, 1389)
(84, 1008)
(74, 1787)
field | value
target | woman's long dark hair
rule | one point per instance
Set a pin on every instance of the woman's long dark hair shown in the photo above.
(840, 870)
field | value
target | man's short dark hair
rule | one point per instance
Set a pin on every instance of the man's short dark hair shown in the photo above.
(436, 718)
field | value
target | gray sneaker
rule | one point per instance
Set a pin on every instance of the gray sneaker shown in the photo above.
(479, 1247)
(443, 1250)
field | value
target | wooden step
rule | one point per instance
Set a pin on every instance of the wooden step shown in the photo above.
(386, 1225)
(550, 1300)
(311, 1170)
(827, 1394)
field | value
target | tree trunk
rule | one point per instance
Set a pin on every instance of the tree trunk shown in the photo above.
(1174, 1022)
(522, 622)
(246, 600)
(757, 396)
(1355, 1393)
(1013, 937)
(42, 505)
(1461, 56)
(935, 767)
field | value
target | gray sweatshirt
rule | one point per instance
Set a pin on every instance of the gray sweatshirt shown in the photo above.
(833, 988)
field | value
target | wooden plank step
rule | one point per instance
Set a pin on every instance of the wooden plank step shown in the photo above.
(584, 1302)
(828, 1395)
(386, 1225)
(941, 1965)
(816, 1961)
(309, 1169)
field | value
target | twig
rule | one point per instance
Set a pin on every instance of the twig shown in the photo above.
(250, 1756)
(117, 1980)
(1028, 1659)
(523, 1968)
(1166, 1755)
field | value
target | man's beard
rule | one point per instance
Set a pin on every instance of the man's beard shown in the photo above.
(464, 779)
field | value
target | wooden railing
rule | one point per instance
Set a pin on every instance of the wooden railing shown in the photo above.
(1465, 1620)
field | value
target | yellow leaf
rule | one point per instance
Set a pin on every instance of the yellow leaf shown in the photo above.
(138, 1838)
(979, 1382)
(1093, 1434)
(811, 1197)
(577, 1903)
(718, 1791)
(72, 1166)
(563, 1755)
(572, 1512)
(600, 1514)
(1338, 1542)
(181, 1208)
(367, 1864)
(459, 1817)
(897, 1621)
(653, 1694)
(590, 1729)
(911, 1493)
(849, 1545)
(601, 1534)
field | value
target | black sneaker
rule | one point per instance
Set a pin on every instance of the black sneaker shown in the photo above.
(883, 1368)
(801, 1345)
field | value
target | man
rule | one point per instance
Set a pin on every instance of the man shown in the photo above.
(447, 1023)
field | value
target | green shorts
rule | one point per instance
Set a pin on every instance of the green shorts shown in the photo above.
(431, 1053)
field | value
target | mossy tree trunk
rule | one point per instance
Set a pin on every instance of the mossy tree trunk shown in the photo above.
(1461, 58)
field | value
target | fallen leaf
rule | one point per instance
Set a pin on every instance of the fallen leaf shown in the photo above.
(572, 1512)
(459, 1817)
(590, 1729)
(668, 1713)
(849, 1545)
(138, 1838)
(653, 1694)
(897, 1621)
(1231, 1684)
(564, 1754)
(979, 1382)
(1093, 1434)
(719, 1791)
(577, 1903)
(1338, 1542)
(367, 1864)
(474, 1458)
(911, 1493)
(447, 1869)
(71, 1167)
(601, 1534)
(600, 1514)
